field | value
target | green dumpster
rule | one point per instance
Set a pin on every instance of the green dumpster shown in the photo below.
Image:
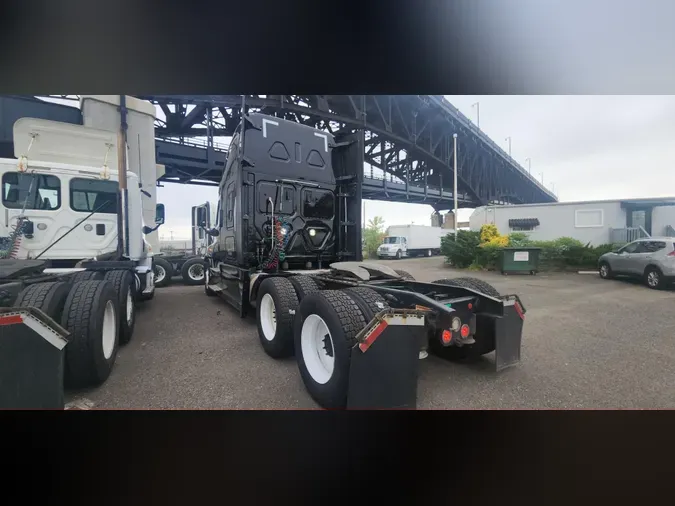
(519, 260)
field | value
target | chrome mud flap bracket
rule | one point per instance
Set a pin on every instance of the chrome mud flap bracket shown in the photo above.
(508, 333)
(385, 362)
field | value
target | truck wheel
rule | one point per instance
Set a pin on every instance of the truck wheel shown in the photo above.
(404, 274)
(369, 301)
(304, 286)
(163, 272)
(472, 283)
(86, 276)
(277, 303)
(430, 253)
(193, 271)
(90, 315)
(399, 255)
(47, 297)
(123, 282)
(325, 331)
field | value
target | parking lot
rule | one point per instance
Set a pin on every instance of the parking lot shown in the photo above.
(587, 343)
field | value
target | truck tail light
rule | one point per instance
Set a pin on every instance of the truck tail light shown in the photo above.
(672, 253)
(464, 331)
(446, 336)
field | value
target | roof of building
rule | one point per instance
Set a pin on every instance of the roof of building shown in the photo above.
(654, 201)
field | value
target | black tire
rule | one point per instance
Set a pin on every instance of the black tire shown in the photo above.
(399, 255)
(83, 316)
(189, 267)
(605, 270)
(654, 278)
(304, 286)
(47, 297)
(369, 301)
(78, 277)
(404, 274)
(472, 283)
(284, 305)
(125, 286)
(344, 320)
(159, 264)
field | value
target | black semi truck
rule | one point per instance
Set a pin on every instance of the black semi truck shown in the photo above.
(289, 247)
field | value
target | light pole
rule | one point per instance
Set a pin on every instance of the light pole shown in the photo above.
(508, 139)
(477, 106)
(529, 165)
(553, 188)
(454, 186)
(542, 177)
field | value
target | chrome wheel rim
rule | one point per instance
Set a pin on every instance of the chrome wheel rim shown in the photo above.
(196, 272)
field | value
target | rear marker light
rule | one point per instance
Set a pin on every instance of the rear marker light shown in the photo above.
(470, 306)
(446, 336)
(464, 331)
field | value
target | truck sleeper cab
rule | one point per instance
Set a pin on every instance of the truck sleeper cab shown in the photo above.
(289, 246)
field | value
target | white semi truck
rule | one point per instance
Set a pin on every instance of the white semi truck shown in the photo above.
(411, 240)
(74, 252)
(191, 265)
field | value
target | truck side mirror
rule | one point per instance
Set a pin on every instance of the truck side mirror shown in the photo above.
(213, 232)
(159, 214)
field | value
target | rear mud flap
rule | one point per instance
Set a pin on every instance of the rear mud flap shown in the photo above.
(31, 360)
(508, 335)
(385, 364)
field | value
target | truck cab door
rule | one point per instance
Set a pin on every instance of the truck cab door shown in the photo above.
(404, 246)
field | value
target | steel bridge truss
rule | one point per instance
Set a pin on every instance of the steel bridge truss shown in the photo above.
(409, 143)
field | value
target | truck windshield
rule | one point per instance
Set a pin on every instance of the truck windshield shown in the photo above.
(392, 240)
(87, 195)
(35, 191)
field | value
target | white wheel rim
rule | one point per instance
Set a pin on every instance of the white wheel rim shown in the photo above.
(130, 307)
(160, 273)
(109, 329)
(653, 278)
(196, 272)
(603, 271)
(268, 317)
(429, 253)
(318, 350)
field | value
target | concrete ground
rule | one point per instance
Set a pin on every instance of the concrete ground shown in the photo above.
(587, 343)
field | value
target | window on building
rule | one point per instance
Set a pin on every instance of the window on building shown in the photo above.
(88, 195)
(523, 224)
(32, 190)
(587, 218)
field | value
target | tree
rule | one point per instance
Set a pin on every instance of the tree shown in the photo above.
(373, 236)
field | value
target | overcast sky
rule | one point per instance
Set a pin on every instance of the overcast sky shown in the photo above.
(589, 147)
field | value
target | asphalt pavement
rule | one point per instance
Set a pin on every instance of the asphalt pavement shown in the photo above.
(587, 343)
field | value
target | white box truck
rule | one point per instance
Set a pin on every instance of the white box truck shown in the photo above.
(412, 240)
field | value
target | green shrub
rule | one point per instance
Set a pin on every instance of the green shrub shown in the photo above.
(519, 240)
(559, 254)
(462, 252)
(487, 256)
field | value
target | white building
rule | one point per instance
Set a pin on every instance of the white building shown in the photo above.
(596, 222)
